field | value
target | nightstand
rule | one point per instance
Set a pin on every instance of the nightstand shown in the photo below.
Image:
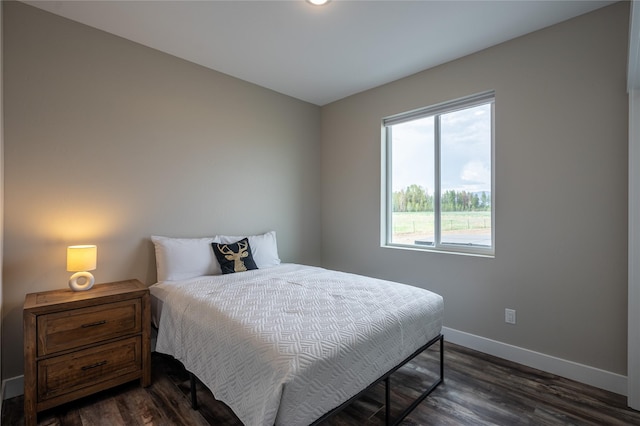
(79, 343)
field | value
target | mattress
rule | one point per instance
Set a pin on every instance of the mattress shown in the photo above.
(287, 344)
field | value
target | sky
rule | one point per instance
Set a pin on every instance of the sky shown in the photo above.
(466, 151)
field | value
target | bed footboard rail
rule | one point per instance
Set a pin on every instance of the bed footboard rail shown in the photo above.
(422, 396)
(386, 378)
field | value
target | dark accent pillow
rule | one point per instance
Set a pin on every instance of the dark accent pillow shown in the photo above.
(235, 257)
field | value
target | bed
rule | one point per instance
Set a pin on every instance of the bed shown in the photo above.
(289, 344)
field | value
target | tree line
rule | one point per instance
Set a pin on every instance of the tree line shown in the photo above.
(415, 198)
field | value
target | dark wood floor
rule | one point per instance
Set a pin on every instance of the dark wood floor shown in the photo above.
(478, 390)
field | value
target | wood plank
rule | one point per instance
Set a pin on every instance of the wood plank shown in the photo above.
(166, 396)
(101, 412)
(134, 407)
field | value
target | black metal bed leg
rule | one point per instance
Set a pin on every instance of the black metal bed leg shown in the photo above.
(441, 358)
(194, 396)
(387, 401)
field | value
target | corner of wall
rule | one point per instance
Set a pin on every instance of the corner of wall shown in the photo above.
(2, 391)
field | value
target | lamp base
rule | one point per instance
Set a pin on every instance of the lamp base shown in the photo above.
(86, 279)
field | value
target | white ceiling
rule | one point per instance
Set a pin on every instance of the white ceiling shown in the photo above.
(319, 54)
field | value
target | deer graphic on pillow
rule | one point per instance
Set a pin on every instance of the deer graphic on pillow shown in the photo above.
(238, 264)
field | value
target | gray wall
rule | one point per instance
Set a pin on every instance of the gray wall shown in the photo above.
(109, 142)
(561, 190)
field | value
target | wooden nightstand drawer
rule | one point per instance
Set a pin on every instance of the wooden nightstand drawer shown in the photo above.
(68, 373)
(79, 327)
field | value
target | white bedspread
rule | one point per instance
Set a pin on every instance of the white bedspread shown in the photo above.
(287, 344)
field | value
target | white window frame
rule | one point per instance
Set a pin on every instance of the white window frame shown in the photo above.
(387, 191)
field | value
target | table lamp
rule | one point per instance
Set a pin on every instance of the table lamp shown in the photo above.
(81, 259)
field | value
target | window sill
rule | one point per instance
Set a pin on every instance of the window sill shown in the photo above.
(464, 251)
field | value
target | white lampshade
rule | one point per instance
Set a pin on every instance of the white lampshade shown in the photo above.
(81, 259)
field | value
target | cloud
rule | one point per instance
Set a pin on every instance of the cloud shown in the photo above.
(476, 176)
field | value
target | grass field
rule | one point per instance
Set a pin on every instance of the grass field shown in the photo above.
(408, 227)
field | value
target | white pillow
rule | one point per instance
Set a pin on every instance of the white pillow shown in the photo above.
(264, 248)
(183, 258)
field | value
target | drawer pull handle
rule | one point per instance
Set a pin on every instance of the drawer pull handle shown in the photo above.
(97, 364)
(93, 324)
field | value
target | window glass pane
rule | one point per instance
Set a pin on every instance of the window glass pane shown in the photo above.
(466, 176)
(412, 180)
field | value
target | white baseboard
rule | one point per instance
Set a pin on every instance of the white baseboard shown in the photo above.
(571, 370)
(602, 379)
(13, 387)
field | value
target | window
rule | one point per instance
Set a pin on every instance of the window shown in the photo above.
(438, 177)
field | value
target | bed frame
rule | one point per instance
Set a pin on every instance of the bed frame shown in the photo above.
(385, 377)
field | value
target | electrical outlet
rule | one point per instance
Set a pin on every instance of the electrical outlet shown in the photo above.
(510, 316)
